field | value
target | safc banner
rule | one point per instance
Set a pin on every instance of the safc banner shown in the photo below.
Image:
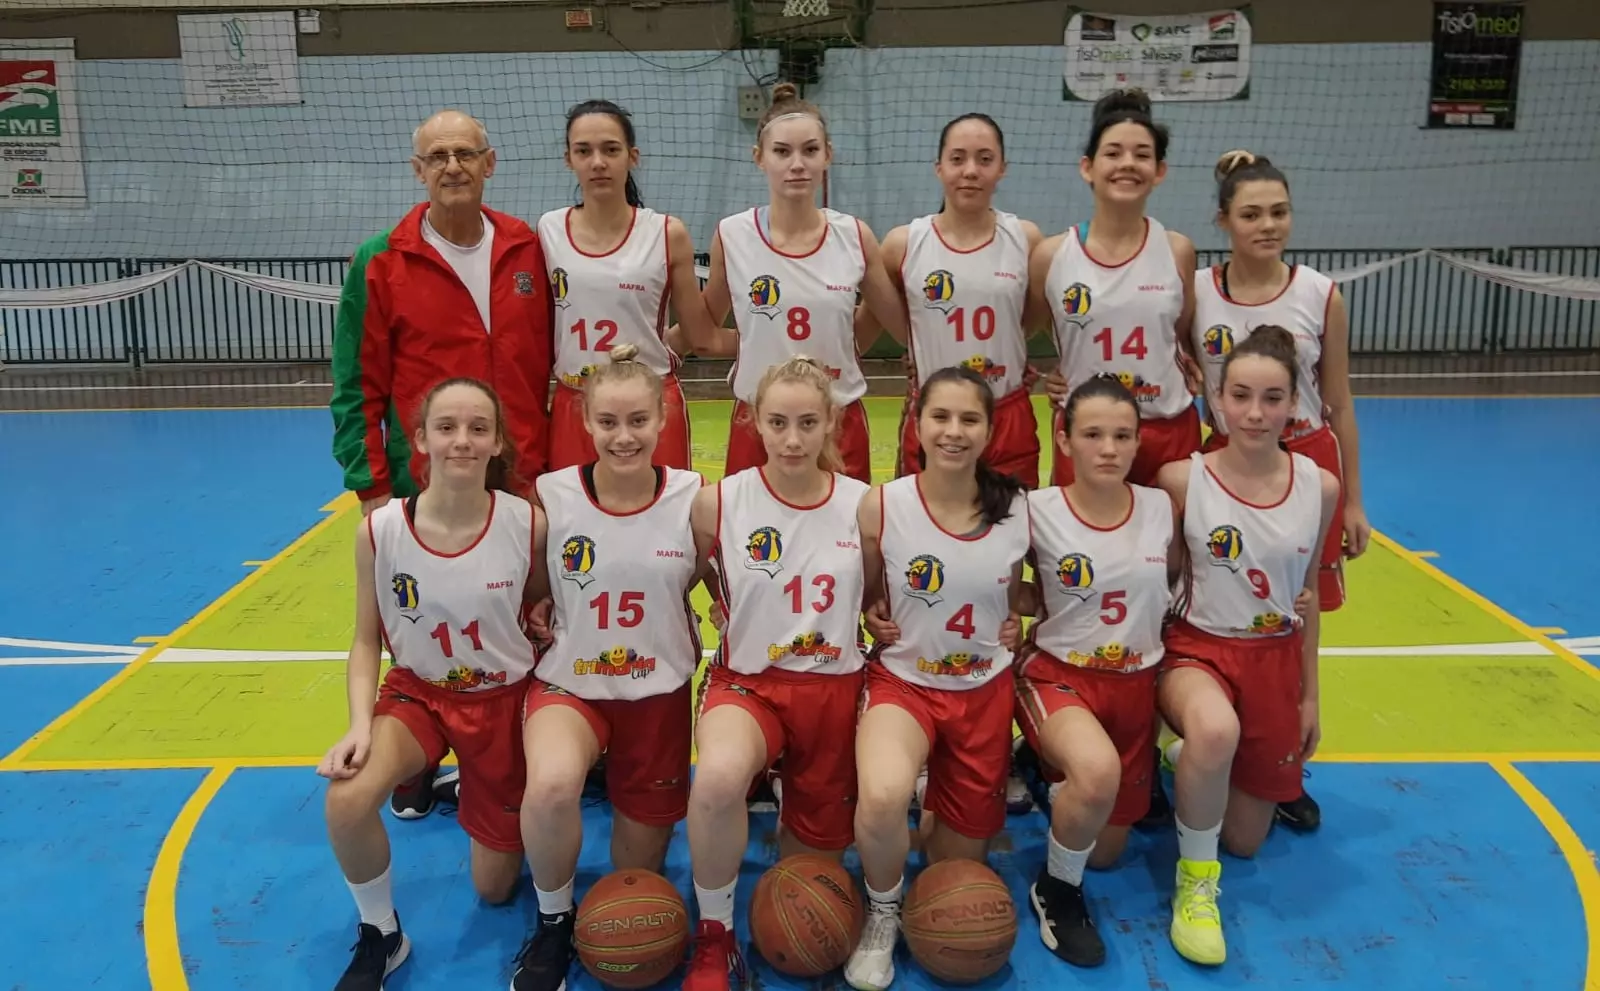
(41, 157)
(1181, 57)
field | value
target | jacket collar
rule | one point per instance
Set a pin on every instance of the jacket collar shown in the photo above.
(508, 232)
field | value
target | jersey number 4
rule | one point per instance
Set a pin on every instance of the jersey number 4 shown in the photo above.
(1133, 344)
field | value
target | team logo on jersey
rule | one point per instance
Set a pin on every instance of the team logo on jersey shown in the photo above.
(1225, 544)
(464, 679)
(924, 579)
(1142, 391)
(804, 645)
(764, 551)
(964, 664)
(939, 291)
(577, 560)
(764, 295)
(576, 381)
(1217, 341)
(524, 283)
(618, 662)
(407, 595)
(558, 286)
(1076, 574)
(1076, 300)
(1271, 624)
(1110, 657)
(985, 367)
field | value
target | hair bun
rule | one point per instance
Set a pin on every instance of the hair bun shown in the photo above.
(784, 92)
(624, 352)
(1123, 101)
(1239, 158)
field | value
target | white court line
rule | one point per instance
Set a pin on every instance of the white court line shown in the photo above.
(61, 660)
(88, 648)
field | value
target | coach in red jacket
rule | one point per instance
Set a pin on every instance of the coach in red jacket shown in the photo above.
(454, 289)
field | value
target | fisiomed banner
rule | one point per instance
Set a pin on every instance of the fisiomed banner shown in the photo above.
(1181, 57)
(239, 60)
(1477, 52)
(41, 151)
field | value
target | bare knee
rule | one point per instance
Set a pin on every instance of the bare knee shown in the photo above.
(719, 784)
(1246, 824)
(881, 804)
(1210, 736)
(349, 801)
(495, 890)
(1108, 848)
(1097, 777)
(551, 790)
(495, 873)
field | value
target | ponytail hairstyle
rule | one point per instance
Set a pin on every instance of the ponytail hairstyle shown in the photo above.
(808, 371)
(624, 366)
(608, 109)
(786, 102)
(1267, 341)
(1104, 385)
(1125, 106)
(996, 490)
(1237, 167)
(944, 137)
(502, 472)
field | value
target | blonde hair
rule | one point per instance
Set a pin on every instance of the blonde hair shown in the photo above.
(808, 371)
(786, 102)
(624, 366)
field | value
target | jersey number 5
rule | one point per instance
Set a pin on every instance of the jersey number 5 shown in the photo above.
(1113, 609)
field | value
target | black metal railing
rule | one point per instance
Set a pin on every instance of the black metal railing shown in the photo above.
(1420, 305)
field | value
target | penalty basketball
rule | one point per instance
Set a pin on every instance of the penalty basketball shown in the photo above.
(806, 916)
(631, 929)
(959, 921)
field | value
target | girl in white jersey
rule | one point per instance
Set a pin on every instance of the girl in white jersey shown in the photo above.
(964, 274)
(1104, 557)
(944, 551)
(791, 272)
(1119, 288)
(1254, 287)
(786, 680)
(614, 265)
(1240, 683)
(441, 582)
(624, 644)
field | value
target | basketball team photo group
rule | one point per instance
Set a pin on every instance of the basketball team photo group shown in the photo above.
(1101, 606)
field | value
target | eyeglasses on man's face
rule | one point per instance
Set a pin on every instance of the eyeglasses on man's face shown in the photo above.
(463, 156)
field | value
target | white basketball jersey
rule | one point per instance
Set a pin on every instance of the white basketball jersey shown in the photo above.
(791, 577)
(455, 619)
(966, 306)
(1121, 319)
(1247, 562)
(622, 622)
(1220, 324)
(786, 305)
(602, 301)
(949, 594)
(1104, 592)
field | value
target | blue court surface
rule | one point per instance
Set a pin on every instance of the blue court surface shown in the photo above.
(165, 692)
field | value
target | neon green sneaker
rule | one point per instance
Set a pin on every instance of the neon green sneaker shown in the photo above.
(1196, 921)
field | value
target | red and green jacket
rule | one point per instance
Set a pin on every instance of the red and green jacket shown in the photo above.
(406, 322)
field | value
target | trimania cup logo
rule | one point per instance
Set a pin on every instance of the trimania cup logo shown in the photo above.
(29, 107)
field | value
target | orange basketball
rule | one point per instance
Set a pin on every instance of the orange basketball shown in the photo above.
(959, 921)
(631, 929)
(806, 916)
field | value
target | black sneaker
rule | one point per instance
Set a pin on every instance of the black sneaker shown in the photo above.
(1303, 815)
(447, 787)
(1064, 923)
(1161, 815)
(546, 956)
(376, 957)
(594, 783)
(414, 798)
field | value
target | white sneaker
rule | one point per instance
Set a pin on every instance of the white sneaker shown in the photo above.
(871, 966)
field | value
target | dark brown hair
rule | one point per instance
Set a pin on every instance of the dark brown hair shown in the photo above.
(502, 473)
(1238, 167)
(1125, 106)
(996, 490)
(606, 108)
(1102, 386)
(1267, 341)
(786, 100)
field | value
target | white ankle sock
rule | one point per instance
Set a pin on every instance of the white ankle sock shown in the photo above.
(375, 902)
(1067, 865)
(716, 904)
(557, 902)
(1198, 844)
(887, 899)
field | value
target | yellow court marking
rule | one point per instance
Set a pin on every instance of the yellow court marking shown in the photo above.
(344, 503)
(1550, 631)
(252, 564)
(181, 763)
(146, 639)
(1426, 555)
(161, 951)
(1463, 757)
(1579, 860)
(1565, 653)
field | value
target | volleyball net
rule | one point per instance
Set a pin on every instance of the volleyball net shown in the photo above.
(223, 202)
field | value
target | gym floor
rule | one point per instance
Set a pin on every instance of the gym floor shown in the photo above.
(175, 609)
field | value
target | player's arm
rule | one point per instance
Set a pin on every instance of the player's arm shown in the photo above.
(869, 518)
(1311, 632)
(1334, 371)
(361, 670)
(1184, 254)
(1035, 311)
(538, 587)
(703, 517)
(363, 373)
(879, 294)
(724, 342)
(1055, 383)
(1173, 479)
(1026, 601)
(695, 330)
(893, 255)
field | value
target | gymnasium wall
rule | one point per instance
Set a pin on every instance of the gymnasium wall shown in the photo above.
(1337, 97)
